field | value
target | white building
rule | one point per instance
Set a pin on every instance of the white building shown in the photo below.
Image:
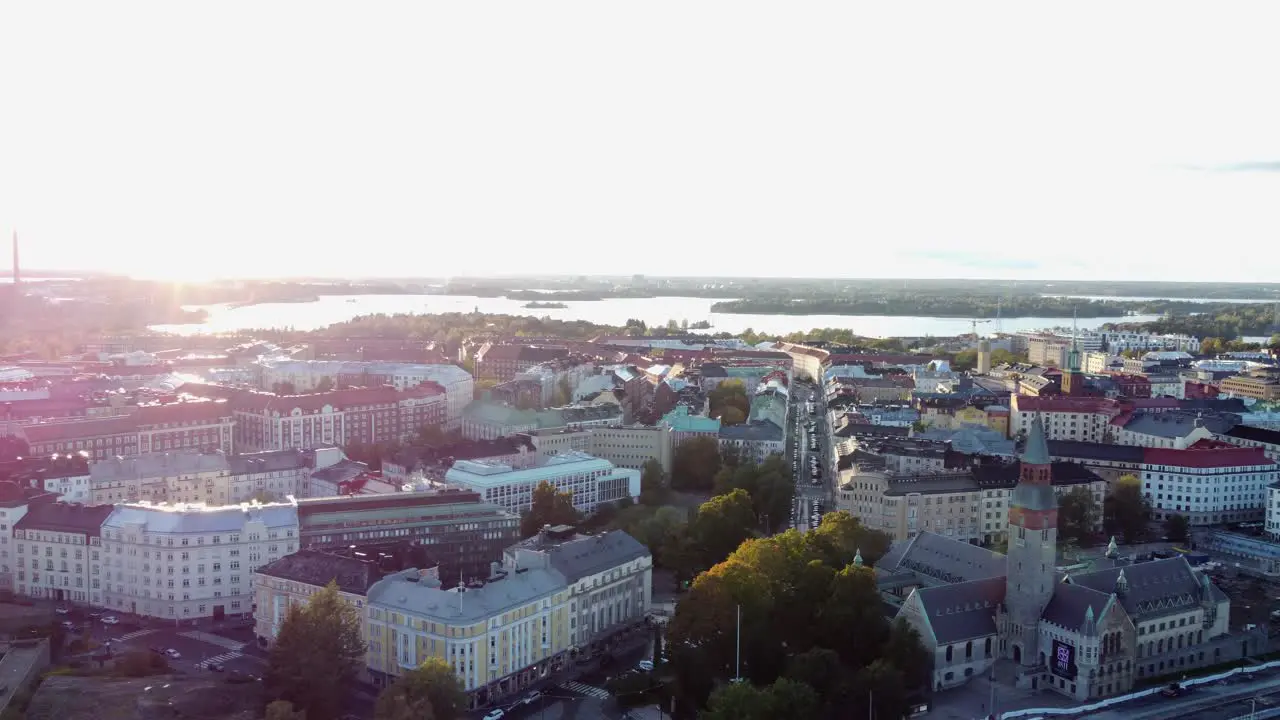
(306, 376)
(178, 476)
(591, 480)
(56, 552)
(191, 562)
(278, 474)
(1211, 484)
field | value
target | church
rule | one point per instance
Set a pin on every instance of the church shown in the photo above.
(1086, 635)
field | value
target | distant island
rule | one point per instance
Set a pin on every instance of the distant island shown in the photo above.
(545, 305)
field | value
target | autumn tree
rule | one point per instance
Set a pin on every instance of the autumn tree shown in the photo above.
(722, 523)
(695, 463)
(729, 394)
(317, 655)
(430, 691)
(1125, 509)
(549, 507)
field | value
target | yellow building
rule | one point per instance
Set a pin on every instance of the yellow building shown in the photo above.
(995, 417)
(500, 636)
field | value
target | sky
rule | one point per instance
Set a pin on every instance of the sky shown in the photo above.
(1133, 140)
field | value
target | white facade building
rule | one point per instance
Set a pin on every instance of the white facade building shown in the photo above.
(56, 552)
(591, 480)
(1210, 485)
(191, 562)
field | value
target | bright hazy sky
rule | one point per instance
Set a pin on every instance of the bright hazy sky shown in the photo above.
(949, 139)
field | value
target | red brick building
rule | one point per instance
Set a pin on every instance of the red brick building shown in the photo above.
(265, 421)
(193, 425)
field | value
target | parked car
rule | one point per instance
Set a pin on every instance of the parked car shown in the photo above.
(532, 698)
(173, 653)
(68, 625)
(645, 665)
(110, 620)
(497, 714)
(62, 610)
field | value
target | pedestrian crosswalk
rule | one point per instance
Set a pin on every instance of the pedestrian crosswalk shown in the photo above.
(132, 635)
(212, 639)
(224, 657)
(585, 689)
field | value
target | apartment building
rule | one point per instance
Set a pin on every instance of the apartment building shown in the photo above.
(1048, 350)
(294, 578)
(807, 362)
(686, 426)
(15, 499)
(1169, 429)
(627, 446)
(58, 552)
(591, 480)
(1210, 482)
(972, 506)
(610, 578)
(275, 475)
(176, 477)
(191, 562)
(499, 636)
(753, 441)
(1065, 418)
(65, 475)
(503, 362)
(202, 425)
(307, 376)
(265, 421)
(1251, 436)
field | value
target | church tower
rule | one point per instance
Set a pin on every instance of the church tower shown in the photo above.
(1033, 551)
(1073, 378)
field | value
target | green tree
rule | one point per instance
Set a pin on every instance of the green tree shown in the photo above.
(1077, 514)
(964, 360)
(317, 655)
(738, 701)
(430, 691)
(722, 523)
(695, 463)
(653, 486)
(548, 507)
(283, 710)
(1176, 527)
(1125, 509)
(1211, 346)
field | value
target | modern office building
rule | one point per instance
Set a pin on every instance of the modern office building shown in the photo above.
(591, 480)
(458, 531)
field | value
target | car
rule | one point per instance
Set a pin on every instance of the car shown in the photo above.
(532, 698)
(173, 653)
(496, 714)
(215, 666)
(110, 620)
(62, 610)
(645, 665)
(95, 615)
(68, 625)
(1172, 690)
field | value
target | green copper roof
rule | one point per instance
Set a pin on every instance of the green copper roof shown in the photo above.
(1037, 450)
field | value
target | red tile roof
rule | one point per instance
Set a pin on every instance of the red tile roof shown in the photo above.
(79, 429)
(1036, 403)
(189, 411)
(266, 403)
(1206, 454)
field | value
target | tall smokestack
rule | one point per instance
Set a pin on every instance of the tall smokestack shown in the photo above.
(17, 274)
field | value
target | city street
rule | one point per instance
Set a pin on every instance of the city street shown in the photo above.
(799, 454)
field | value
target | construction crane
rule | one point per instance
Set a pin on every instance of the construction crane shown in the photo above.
(975, 324)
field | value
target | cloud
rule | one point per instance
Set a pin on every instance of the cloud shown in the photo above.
(1268, 166)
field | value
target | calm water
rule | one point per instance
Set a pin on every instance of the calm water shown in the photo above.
(653, 311)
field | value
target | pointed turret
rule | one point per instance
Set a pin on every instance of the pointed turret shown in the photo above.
(1122, 584)
(1037, 450)
(1112, 550)
(1088, 620)
(857, 557)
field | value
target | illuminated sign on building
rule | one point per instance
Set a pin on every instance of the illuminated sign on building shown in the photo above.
(1063, 662)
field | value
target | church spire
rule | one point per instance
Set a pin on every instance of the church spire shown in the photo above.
(1037, 450)
(857, 558)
